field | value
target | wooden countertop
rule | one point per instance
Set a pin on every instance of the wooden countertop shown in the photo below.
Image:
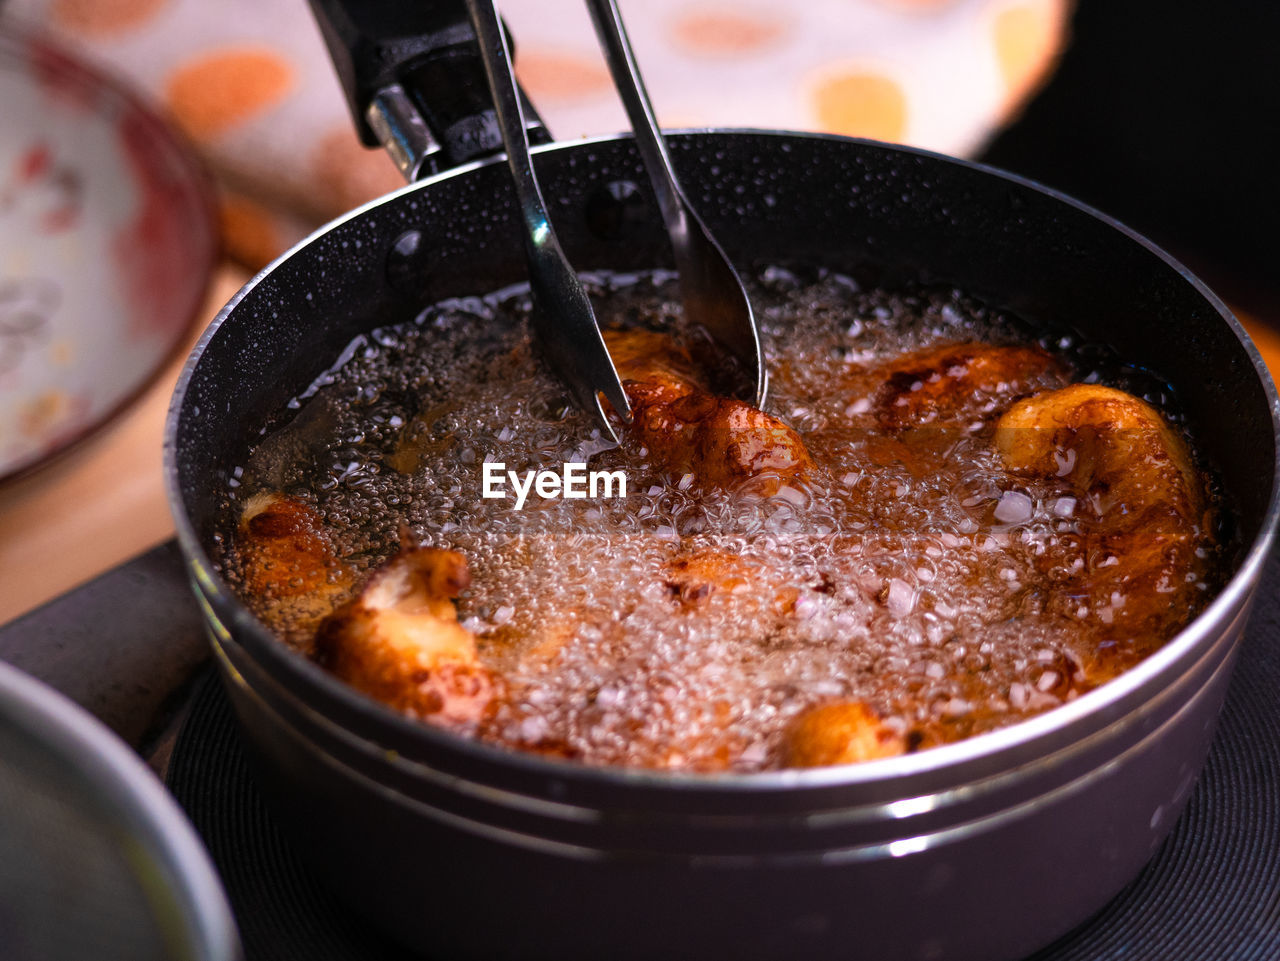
(103, 502)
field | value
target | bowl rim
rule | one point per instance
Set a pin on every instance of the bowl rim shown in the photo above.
(18, 40)
(125, 786)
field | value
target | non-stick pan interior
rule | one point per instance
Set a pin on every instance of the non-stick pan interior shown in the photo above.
(882, 214)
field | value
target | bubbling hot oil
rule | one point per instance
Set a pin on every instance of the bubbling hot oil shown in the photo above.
(910, 575)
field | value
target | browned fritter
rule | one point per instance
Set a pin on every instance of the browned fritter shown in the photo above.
(288, 563)
(284, 549)
(938, 384)
(1134, 476)
(839, 732)
(399, 640)
(685, 427)
(694, 576)
(661, 368)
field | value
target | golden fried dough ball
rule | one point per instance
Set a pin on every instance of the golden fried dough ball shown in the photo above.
(653, 360)
(686, 428)
(1135, 476)
(283, 546)
(839, 732)
(1106, 442)
(938, 384)
(288, 563)
(399, 640)
(721, 440)
(693, 577)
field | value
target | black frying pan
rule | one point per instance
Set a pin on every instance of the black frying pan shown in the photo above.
(984, 849)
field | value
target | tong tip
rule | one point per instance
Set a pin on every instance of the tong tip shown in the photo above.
(606, 423)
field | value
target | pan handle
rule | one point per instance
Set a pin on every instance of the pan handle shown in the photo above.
(415, 82)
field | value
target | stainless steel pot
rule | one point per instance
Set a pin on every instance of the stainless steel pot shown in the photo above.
(984, 849)
(96, 860)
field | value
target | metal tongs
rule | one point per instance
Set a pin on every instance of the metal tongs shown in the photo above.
(710, 288)
(564, 322)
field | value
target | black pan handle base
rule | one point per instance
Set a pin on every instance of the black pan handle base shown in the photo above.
(415, 82)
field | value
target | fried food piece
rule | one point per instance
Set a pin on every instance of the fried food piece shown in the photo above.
(548, 642)
(940, 384)
(685, 427)
(1109, 443)
(284, 550)
(288, 563)
(1136, 477)
(399, 640)
(695, 576)
(661, 368)
(839, 732)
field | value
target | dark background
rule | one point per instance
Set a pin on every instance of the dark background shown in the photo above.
(1166, 115)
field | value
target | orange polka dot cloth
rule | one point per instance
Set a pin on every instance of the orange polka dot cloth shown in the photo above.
(250, 82)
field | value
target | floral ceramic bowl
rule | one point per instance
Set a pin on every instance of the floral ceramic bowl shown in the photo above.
(107, 243)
